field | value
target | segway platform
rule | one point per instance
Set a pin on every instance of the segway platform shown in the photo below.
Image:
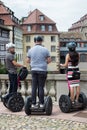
(47, 109)
(37, 108)
(66, 105)
(13, 102)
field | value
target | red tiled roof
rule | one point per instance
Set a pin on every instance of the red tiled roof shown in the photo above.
(7, 19)
(79, 23)
(3, 9)
(7, 15)
(33, 18)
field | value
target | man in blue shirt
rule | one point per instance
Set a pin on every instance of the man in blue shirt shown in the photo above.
(38, 57)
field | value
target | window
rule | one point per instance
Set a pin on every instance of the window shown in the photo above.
(50, 28)
(41, 17)
(78, 45)
(53, 48)
(2, 61)
(83, 57)
(2, 47)
(53, 58)
(29, 28)
(27, 48)
(1, 21)
(28, 39)
(42, 27)
(85, 44)
(5, 33)
(62, 44)
(53, 39)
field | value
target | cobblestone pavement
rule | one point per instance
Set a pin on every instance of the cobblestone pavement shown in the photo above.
(57, 121)
(18, 122)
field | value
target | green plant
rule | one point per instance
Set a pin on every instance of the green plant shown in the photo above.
(3, 69)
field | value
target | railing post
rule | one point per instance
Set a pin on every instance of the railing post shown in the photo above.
(57, 91)
(29, 90)
(52, 90)
(8, 86)
(3, 88)
(45, 89)
(22, 90)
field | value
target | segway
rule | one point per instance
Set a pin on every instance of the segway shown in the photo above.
(14, 101)
(66, 105)
(47, 109)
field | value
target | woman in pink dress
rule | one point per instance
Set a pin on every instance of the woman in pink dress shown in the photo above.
(71, 62)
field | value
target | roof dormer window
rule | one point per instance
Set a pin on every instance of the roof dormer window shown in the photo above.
(43, 28)
(41, 17)
(1, 21)
(50, 28)
(29, 28)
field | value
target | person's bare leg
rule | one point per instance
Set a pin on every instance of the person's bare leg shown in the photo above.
(72, 94)
(77, 92)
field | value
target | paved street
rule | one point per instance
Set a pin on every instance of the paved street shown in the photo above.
(57, 121)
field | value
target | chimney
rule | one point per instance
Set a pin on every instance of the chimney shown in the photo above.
(1, 3)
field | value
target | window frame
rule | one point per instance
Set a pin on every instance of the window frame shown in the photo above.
(53, 61)
(53, 39)
(28, 39)
(43, 28)
(29, 28)
(53, 48)
(50, 28)
(41, 17)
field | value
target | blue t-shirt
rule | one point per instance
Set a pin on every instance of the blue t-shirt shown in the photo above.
(38, 55)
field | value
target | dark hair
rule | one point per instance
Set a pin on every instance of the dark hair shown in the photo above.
(74, 56)
(39, 39)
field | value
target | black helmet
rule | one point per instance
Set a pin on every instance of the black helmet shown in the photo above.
(23, 72)
(72, 46)
(39, 39)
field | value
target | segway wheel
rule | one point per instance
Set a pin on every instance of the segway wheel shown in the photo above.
(28, 103)
(16, 103)
(48, 105)
(5, 100)
(5, 103)
(83, 100)
(65, 103)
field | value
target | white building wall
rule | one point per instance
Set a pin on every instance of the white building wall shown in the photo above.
(18, 40)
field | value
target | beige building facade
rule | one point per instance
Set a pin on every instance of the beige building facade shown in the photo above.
(39, 24)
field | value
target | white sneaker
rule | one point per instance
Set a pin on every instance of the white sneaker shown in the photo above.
(34, 106)
(41, 105)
